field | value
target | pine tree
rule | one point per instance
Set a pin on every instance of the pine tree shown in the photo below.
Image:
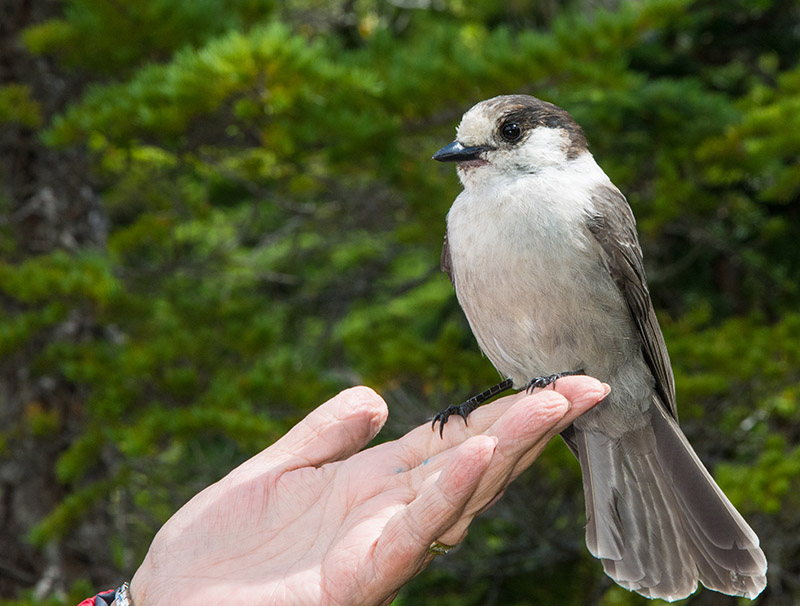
(217, 214)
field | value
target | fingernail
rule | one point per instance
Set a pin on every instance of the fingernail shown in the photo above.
(606, 391)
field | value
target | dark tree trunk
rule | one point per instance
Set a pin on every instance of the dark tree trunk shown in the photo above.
(47, 203)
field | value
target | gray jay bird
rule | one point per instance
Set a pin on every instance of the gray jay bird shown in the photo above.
(542, 250)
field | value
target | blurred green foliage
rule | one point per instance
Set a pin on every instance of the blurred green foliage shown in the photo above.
(275, 228)
(18, 106)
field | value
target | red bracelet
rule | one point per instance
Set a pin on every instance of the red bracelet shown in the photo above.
(113, 597)
(105, 598)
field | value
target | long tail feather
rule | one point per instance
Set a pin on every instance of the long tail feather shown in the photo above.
(657, 519)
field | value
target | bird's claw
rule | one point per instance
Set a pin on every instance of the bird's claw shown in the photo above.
(544, 381)
(443, 416)
(468, 406)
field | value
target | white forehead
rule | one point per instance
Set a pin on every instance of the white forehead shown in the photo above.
(543, 146)
(477, 124)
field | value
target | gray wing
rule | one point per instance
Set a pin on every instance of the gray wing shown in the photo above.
(446, 263)
(614, 227)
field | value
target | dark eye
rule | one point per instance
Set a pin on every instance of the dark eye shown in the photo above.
(511, 131)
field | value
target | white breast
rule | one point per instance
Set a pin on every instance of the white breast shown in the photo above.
(529, 275)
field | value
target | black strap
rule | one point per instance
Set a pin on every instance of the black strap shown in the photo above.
(105, 599)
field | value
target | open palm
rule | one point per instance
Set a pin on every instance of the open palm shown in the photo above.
(311, 520)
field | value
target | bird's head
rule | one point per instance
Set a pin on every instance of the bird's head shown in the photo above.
(512, 135)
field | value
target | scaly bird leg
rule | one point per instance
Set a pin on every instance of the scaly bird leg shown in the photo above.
(467, 407)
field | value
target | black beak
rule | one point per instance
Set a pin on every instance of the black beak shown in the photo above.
(455, 152)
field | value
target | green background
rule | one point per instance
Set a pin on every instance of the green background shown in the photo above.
(216, 214)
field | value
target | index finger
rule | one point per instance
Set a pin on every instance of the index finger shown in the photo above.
(525, 429)
(421, 443)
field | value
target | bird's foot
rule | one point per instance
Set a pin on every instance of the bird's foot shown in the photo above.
(462, 410)
(542, 382)
(468, 406)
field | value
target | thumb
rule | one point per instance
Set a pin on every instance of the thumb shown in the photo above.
(333, 431)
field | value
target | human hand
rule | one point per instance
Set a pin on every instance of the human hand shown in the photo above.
(311, 520)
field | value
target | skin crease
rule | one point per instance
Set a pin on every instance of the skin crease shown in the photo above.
(313, 519)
